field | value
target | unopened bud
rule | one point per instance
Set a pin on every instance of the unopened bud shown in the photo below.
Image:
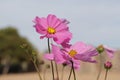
(108, 65)
(100, 49)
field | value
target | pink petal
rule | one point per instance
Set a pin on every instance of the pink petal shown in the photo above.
(60, 37)
(109, 51)
(65, 21)
(66, 44)
(84, 58)
(49, 56)
(43, 23)
(40, 29)
(76, 64)
(53, 21)
(57, 54)
(87, 56)
(37, 20)
(41, 37)
(49, 35)
(80, 47)
(62, 27)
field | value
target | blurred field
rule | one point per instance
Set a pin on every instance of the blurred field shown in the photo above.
(80, 76)
(87, 71)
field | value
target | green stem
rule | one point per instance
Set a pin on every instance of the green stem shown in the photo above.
(51, 61)
(70, 73)
(73, 71)
(106, 74)
(100, 70)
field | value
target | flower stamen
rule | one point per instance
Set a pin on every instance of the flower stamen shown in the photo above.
(51, 30)
(72, 53)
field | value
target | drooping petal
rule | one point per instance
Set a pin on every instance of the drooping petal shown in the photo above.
(80, 47)
(39, 28)
(109, 51)
(62, 36)
(65, 43)
(41, 37)
(65, 21)
(84, 58)
(57, 54)
(87, 56)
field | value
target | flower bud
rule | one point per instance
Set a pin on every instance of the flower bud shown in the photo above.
(100, 49)
(108, 65)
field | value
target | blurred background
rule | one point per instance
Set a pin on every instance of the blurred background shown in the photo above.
(92, 21)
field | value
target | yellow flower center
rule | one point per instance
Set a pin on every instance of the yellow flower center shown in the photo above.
(72, 53)
(51, 30)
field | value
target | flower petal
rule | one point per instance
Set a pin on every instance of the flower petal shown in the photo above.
(65, 43)
(39, 28)
(62, 27)
(53, 21)
(109, 51)
(43, 23)
(60, 37)
(76, 64)
(49, 56)
(57, 54)
(80, 47)
(87, 56)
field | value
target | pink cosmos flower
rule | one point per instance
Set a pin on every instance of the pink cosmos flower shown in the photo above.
(76, 52)
(53, 27)
(108, 50)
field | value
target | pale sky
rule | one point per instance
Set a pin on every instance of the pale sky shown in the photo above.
(92, 21)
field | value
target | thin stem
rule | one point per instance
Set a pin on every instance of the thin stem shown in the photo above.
(51, 61)
(73, 71)
(36, 67)
(106, 74)
(70, 73)
(56, 67)
(100, 70)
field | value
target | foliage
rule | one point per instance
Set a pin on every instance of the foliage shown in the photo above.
(10, 42)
